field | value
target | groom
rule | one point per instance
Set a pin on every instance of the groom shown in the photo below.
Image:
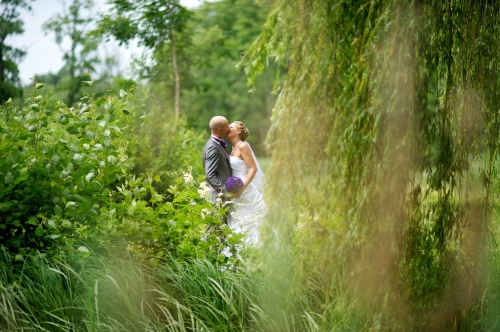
(216, 158)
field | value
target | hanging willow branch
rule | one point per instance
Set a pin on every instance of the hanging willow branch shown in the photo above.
(388, 111)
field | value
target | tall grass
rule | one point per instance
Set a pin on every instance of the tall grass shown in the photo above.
(124, 294)
(121, 294)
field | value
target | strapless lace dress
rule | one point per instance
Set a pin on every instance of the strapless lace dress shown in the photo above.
(248, 211)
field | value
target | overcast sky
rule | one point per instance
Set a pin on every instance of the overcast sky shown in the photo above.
(43, 54)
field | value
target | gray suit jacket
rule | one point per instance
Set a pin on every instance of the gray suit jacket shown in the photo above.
(216, 166)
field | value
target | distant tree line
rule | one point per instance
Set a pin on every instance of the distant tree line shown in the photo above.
(190, 63)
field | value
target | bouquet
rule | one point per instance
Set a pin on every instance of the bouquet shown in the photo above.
(233, 184)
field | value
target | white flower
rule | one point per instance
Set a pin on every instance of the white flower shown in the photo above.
(86, 146)
(205, 212)
(98, 146)
(102, 163)
(106, 133)
(205, 192)
(188, 178)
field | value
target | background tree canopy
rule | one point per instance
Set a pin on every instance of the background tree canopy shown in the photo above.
(10, 24)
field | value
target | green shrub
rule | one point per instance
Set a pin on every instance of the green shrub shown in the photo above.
(57, 165)
(188, 226)
(65, 185)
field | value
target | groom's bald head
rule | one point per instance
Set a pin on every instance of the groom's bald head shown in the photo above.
(219, 126)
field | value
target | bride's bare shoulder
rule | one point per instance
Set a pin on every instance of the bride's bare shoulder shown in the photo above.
(243, 146)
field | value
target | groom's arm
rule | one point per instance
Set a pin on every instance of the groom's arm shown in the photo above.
(211, 165)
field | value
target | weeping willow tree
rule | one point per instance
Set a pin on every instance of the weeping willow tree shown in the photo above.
(384, 148)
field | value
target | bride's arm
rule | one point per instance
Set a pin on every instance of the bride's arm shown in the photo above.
(246, 155)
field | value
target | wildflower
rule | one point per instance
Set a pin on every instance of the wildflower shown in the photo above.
(205, 192)
(205, 212)
(188, 178)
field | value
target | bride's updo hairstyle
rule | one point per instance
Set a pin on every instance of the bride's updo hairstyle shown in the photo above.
(244, 130)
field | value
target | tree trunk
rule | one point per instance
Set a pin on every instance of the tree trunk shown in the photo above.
(177, 82)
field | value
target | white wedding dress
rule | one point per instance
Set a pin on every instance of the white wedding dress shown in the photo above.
(248, 211)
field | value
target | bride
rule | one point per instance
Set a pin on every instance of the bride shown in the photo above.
(249, 209)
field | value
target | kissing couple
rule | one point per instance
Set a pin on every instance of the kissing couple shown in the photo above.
(236, 175)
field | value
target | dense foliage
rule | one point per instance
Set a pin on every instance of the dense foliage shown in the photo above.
(67, 187)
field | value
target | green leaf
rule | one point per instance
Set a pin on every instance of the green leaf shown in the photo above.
(88, 83)
(72, 130)
(77, 157)
(100, 101)
(66, 223)
(39, 230)
(123, 93)
(58, 210)
(9, 177)
(125, 111)
(70, 203)
(32, 222)
(52, 224)
(39, 85)
(89, 176)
